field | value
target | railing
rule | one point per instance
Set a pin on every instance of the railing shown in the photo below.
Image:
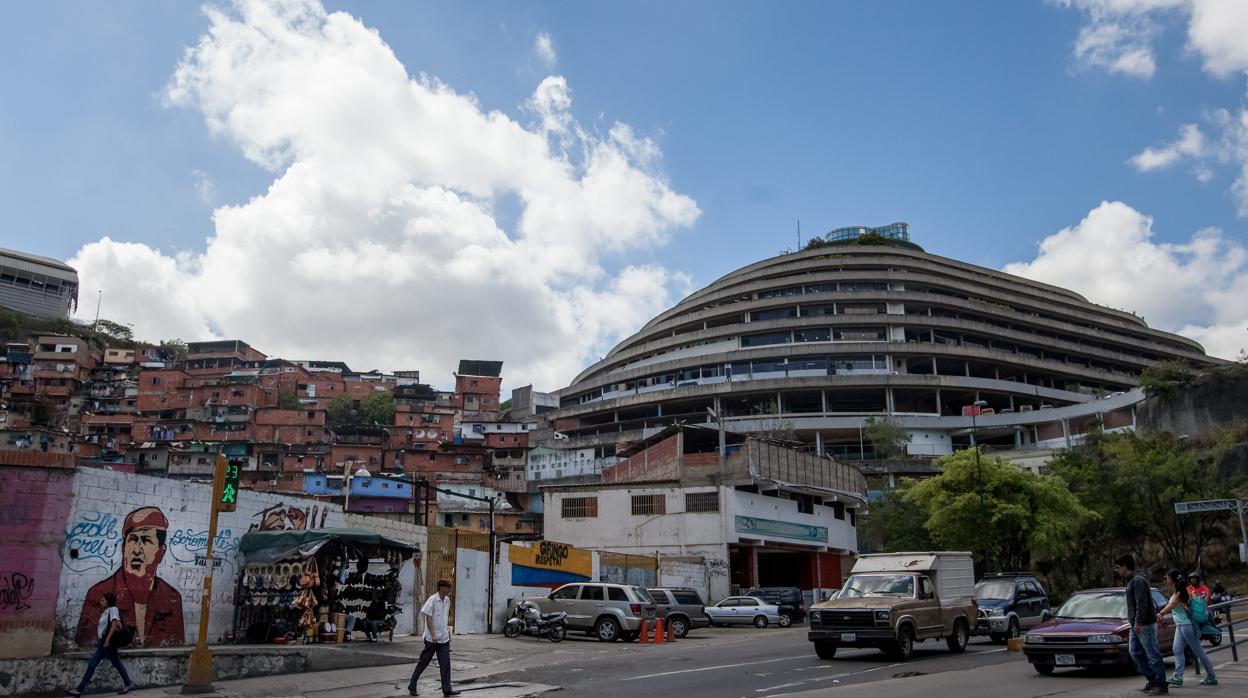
(1228, 607)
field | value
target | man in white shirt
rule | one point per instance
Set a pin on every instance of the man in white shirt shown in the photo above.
(437, 614)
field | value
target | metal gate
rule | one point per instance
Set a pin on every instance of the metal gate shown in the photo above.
(439, 563)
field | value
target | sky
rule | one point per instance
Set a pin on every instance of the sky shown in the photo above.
(401, 185)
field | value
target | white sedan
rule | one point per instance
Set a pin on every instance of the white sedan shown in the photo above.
(743, 609)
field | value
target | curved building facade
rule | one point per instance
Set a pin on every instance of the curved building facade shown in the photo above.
(815, 343)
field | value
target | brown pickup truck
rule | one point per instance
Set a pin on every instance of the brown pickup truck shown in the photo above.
(894, 600)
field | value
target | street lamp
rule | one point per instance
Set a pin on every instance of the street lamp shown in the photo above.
(977, 407)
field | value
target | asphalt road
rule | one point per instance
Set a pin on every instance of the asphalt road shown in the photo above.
(736, 662)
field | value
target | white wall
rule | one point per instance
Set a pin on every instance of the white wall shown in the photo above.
(929, 443)
(841, 535)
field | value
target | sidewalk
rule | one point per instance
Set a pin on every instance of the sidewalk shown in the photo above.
(265, 670)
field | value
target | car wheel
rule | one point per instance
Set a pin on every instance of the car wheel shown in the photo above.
(825, 649)
(957, 641)
(760, 621)
(1043, 669)
(903, 647)
(607, 630)
(1013, 632)
(679, 627)
(786, 620)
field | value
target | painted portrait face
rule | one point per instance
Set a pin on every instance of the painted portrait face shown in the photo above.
(141, 552)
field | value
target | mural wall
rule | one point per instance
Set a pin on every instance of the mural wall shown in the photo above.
(145, 539)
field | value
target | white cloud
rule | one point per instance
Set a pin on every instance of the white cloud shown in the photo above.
(1195, 288)
(205, 188)
(1216, 31)
(1190, 143)
(545, 50)
(380, 240)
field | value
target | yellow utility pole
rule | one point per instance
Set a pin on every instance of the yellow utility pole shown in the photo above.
(224, 498)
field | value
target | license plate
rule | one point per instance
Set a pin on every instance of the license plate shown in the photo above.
(849, 637)
(1065, 660)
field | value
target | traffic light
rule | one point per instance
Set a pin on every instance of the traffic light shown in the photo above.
(226, 491)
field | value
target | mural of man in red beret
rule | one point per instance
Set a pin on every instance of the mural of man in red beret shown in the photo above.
(149, 603)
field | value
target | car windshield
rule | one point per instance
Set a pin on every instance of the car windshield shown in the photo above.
(1105, 604)
(996, 589)
(642, 595)
(901, 585)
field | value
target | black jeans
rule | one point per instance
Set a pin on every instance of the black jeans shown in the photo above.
(443, 650)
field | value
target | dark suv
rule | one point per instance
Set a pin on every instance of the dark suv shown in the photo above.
(681, 608)
(788, 599)
(1010, 603)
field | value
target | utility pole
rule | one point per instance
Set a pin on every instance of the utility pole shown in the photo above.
(975, 409)
(224, 498)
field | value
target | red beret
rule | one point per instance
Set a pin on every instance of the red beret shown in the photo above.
(145, 517)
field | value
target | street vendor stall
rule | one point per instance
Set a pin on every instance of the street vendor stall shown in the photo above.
(314, 585)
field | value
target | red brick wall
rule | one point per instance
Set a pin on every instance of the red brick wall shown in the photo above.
(659, 462)
(34, 510)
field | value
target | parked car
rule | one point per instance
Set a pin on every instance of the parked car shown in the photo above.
(893, 600)
(1090, 630)
(681, 609)
(1009, 603)
(788, 599)
(743, 609)
(607, 611)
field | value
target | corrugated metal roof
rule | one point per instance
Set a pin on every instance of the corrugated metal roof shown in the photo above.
(38, 265)
(472, 367)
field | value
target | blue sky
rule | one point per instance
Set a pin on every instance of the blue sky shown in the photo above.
(979, 123)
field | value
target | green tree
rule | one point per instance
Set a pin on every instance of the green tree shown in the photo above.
(341, 411)
(1166, 377)
(1133, 483)
(1025, 516)
(894, 524)
(287, 400)
(377, 408)
(113, 334)
(175, 348)
(887, 438)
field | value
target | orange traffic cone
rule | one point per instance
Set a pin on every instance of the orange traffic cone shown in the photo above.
(643, 633)
(671, 633)
(658, 631)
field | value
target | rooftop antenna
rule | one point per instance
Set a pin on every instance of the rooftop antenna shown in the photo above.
(98, 299)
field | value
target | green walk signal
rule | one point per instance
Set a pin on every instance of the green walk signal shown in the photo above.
(228, 498)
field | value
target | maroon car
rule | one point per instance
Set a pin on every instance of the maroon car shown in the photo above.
(1090, 630)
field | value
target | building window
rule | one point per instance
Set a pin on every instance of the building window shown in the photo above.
(580, 507)
(757, 340)
(649, 504)
(701, 502)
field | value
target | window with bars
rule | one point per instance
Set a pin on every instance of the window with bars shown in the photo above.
(580, 507)
(649, 504)
(701, 502)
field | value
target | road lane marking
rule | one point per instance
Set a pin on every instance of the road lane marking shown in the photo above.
(713, 668)
(864, 671)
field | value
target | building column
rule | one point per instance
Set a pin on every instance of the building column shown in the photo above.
(818, 443)
(938, 401)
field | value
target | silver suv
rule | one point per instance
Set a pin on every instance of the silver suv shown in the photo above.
(681, 608)
(608, 611)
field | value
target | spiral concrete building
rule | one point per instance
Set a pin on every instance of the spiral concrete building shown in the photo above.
(867, 324)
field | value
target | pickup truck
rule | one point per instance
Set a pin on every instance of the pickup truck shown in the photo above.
(893, 600)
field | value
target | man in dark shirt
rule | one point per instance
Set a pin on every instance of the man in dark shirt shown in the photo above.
(375, 617)
(1142, 615)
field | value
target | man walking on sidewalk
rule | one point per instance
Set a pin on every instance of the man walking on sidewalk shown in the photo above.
(1142, 615)
(437, 614)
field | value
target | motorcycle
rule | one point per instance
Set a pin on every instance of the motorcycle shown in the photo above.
(526, 619)
(1209, 630)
